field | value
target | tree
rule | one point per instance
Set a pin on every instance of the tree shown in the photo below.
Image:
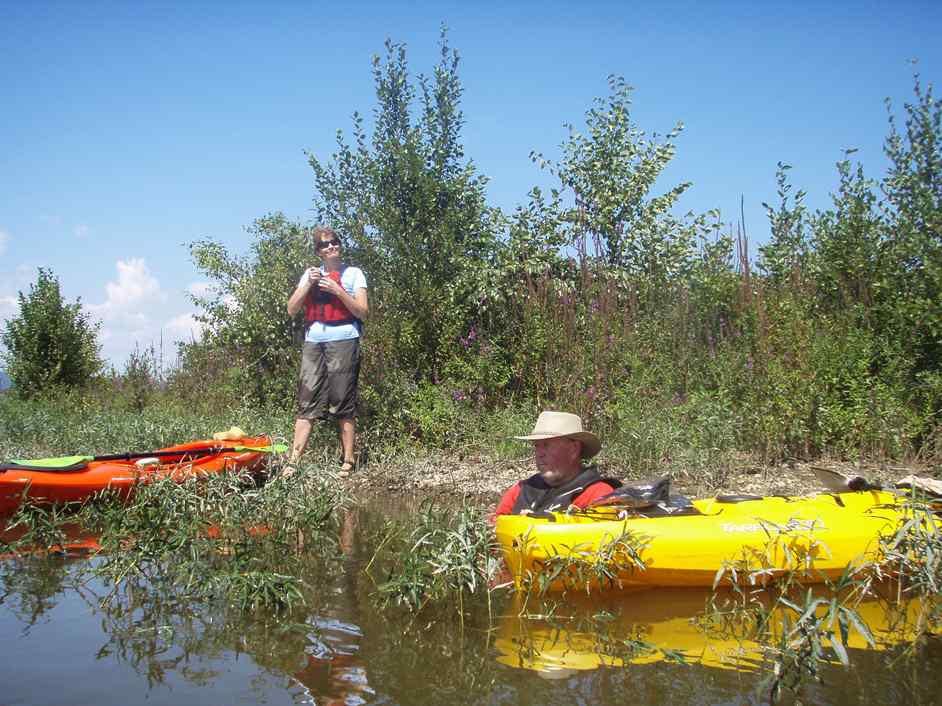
(848, 262)
(248, 330)
(609, 171)
(415, 211)
(51, 343)
(913, 187)
(788, 249)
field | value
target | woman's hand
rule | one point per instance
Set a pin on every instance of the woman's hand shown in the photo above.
(313, 276)
(328, 285)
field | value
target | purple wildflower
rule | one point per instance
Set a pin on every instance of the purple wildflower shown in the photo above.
(472, 337)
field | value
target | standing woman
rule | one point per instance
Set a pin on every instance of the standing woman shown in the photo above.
(333, 298)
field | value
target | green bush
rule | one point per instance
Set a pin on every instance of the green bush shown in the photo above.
(50, 344)
(415, 211)
(251, 346)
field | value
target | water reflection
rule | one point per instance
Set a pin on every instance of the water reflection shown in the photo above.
(333, 672)
(554, 638)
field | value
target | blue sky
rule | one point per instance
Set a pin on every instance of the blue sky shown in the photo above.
(132, 129)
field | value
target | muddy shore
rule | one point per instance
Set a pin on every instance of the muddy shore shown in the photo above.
(485, 479)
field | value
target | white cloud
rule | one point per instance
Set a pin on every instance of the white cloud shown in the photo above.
(4, 239)
(8, 307)
(138, 313)
(131, 311)
(184, 327)
(200, 289)
(134, 290)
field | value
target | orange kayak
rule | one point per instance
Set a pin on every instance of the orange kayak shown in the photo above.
(181, 462)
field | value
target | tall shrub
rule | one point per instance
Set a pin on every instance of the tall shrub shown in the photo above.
(913, 188)
(50, 343)
(415, 210)
(607, 174)
(850, 265)
(250, 344)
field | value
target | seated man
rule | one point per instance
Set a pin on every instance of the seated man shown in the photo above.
(560, 446)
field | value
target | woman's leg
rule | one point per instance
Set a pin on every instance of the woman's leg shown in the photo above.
(343, 372)
(311, 398)
(348, 436)
(302, 430)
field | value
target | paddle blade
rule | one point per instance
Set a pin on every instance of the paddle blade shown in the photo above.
(60, 463)
(272, 449)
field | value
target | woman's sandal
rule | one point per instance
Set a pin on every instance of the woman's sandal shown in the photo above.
(346, 468)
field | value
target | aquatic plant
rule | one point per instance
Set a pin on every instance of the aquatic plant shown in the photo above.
(34, 527)
(913, 557)
(444, 555)
(800, 629)
(221, 537)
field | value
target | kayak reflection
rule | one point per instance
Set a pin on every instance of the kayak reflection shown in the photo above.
(558, 639)
(70, 539)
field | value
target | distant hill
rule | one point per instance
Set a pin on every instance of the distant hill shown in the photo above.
(4, 381)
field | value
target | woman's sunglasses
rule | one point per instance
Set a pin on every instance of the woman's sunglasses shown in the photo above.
(324, 244)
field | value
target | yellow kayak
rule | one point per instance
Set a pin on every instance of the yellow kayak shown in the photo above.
(720, 539)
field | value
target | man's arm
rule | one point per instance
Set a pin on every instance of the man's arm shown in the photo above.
(506, 504)
(597, 490)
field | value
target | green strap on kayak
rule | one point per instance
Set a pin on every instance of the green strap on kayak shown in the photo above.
(65, 464)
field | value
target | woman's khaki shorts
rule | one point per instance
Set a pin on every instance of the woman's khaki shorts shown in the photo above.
(328, 383)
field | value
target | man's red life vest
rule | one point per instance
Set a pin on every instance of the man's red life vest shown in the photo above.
(326, 308)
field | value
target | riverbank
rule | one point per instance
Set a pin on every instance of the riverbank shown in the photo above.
(484, 479)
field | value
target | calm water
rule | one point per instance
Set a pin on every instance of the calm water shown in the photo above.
(64, 641)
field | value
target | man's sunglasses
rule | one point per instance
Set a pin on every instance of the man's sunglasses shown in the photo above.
(324, 244)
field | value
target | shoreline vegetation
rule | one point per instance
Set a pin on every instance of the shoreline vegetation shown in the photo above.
(686, 353)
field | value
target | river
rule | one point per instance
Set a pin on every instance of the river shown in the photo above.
(68, 638)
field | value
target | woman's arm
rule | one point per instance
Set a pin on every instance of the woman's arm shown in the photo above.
(296, 300)
(358, 304)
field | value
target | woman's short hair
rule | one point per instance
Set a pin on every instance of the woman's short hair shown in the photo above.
(321, 231)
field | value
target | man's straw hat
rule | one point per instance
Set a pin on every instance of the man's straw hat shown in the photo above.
(562, 425)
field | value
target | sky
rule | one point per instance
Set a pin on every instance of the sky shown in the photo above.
(129, 130)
